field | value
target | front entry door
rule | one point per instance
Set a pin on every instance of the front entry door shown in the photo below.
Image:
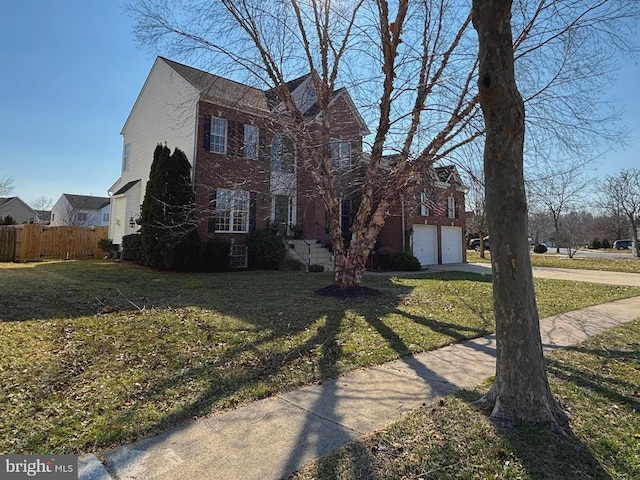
(281, 213)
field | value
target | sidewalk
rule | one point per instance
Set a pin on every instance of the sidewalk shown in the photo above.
(594, 276)
(271, 438)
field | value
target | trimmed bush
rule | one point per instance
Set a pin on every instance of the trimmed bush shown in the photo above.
(314, 267)
(606, 243)
(266, 250)
(216, 255)
(595, 244)
(132, 247)
(404, 261)
(540, 248)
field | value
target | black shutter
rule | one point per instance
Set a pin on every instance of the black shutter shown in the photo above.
(253, 211)
(233, 140)
(206, 136)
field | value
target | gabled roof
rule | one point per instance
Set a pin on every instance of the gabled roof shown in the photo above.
(447, 174)
(217, 88)
(126, 187)
(86, 202)
(44, 215)
(272, 96)
(6, 200)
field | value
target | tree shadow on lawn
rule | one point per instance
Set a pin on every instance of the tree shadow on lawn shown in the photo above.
(226, 388)
(541, 451)
(601, 404)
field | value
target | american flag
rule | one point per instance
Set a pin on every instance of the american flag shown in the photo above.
(435, 209)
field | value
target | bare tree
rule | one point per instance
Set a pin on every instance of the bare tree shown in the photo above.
(71, 216)
(623, 192)
(575, 233)
(613, 222)
(6, 186)
(520, 392)
(412, 68)
(42, 203)
(560, 191)
(477, 221)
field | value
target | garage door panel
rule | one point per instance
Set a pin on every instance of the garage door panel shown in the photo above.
(451, 244)
(425, 244)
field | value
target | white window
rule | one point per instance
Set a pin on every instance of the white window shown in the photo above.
(125, 157)
(238, 258)
(424, 208)
(231, 211)
(250, 145)
(340, 153)
(218, 135)
(282, 154)
(105, 217)
(451, 207)
(81, 216)
(430, 206)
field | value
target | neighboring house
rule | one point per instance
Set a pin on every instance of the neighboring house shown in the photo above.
(80, 210)
(18, 210)
(244, 165)
(44, 216)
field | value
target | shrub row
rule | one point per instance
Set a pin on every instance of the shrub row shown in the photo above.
(265, 250)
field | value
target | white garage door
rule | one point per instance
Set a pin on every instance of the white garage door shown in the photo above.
(425, 244)
(451, 244)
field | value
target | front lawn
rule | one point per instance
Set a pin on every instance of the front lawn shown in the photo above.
(97, 353)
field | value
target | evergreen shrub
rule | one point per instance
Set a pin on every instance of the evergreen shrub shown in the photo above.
(265, 250)
(540, 248)
(216, 255)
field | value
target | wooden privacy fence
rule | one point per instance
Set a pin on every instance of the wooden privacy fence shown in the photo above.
(33, 242)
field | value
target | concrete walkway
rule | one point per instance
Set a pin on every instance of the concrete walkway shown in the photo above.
(593, 276)
(271, 438)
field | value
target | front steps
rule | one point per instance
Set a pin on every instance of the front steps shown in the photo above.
(311, 252)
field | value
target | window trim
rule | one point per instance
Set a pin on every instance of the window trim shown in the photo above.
(243, 255)
(282, 154)
(250, 141)
(213, 134)
(235, 198)
(338, 157)
(451, 207)
(126, 157)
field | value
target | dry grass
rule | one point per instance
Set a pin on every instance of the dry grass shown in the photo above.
(97, 353)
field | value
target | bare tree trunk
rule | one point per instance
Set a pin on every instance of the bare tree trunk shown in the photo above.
(520, 393)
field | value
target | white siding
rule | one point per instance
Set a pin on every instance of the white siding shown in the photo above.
(425, 244)
(164, 112)
(123, 208)
(451, 244)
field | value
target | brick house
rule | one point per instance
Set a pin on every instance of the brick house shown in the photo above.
(244, 164)
(432, 217)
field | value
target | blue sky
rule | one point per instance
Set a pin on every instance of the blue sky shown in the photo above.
(70, 72)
